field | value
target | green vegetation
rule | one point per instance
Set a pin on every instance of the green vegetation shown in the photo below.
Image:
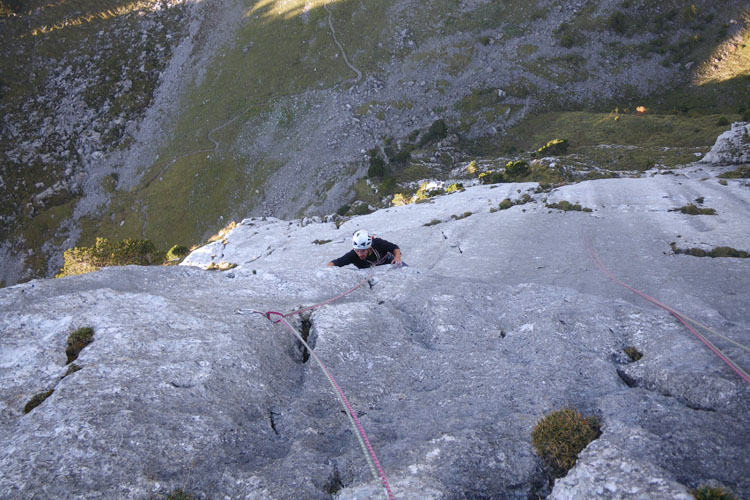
(567, 206)
(77, 340)
(559, 437)
(37, 400)
(72, 368)
(691, 209)
(554, 147)
(712, 493)
(82, 260)
(714, 252)
(633, 353)
(180, 494)
(461, 216)
(433, 222)
(177, 253)
(739, 173)
(321, 242)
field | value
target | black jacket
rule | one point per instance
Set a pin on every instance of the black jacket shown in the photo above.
(380, 248)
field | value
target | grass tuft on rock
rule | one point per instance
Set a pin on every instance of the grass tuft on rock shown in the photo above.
(712, 493)
(633, 353)
(567, 206)
(559, 437)
(37, 400)
(180, 494)
(691, 209)
(714, 252)
(77, 340)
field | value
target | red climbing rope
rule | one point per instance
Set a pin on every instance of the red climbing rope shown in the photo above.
(682, 319)
(367, 450)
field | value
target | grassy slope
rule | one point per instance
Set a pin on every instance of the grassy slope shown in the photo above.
(281, 51)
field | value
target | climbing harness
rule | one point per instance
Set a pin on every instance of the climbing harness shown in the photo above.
(372, 460)
(685, 320)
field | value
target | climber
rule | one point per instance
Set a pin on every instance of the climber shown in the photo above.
(368, 250)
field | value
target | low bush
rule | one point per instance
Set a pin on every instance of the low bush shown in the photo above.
(177, 252)
(437, 131)
(559, 437)
(516, 169)
(82, 260)
(554, 147)
(491, 177)
(618, 22)
(377, 166)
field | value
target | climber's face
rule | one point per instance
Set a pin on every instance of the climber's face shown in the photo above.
(362, 254)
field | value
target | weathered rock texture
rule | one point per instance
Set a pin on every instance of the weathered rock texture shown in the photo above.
(501, 318)
(732, 147)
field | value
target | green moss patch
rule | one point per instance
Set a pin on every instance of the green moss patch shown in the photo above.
(37, 400)
(714, 252)
(77, 340)
(739, 173)
(633, 353)
(567, 206)
(691, 209)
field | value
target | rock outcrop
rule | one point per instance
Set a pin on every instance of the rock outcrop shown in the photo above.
(732, 147)
(500, 318)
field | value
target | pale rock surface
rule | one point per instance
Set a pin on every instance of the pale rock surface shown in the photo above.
(500, 318)
(732, 147)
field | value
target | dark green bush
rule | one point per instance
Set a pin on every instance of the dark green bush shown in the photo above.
(491, 177)
(177, 252)
(516, 169)
(343, 210)
(559, 437)
(722, 122)
(437, 131)
(81, 260)
(505, 204)
(377, 165)
(554, 147)
(77, 340)
(618, 22)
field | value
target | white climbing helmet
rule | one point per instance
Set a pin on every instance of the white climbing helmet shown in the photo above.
(361, 240)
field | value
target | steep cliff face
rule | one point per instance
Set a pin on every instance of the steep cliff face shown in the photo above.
(120, 115)
(501, 317)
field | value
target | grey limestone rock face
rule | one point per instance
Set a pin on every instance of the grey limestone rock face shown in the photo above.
(500, 319)
(732, 147)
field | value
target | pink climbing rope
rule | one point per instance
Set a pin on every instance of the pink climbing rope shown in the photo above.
(589, 244)
(369, 453)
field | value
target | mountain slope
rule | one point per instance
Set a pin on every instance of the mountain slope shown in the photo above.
(159, 120)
